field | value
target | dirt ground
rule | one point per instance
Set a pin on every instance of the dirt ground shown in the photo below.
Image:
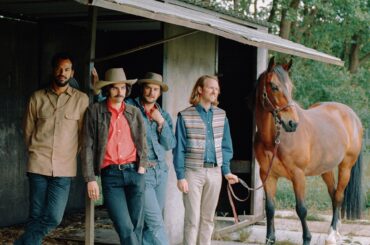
(288, 231)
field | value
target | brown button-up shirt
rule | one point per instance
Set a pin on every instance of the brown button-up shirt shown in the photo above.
(52, 129)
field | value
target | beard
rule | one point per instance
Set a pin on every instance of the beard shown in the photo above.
(61, 83)
(148, 100)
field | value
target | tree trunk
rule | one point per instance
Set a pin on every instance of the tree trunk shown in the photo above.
(308, 19)
(286, 19)
(255, 12)
(273, 11)
(354, 55)
(236, 5)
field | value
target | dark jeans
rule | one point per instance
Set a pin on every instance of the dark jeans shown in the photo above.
(123, 192)
(48, 199)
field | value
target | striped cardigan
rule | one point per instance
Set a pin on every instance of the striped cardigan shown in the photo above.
(196, 136)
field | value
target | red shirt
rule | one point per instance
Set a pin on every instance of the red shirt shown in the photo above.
(120, 146)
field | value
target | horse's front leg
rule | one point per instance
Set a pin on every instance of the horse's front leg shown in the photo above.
(299, 185)
(270, 191)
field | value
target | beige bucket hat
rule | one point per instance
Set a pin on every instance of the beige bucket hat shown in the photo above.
(112, 76)
(154, 78)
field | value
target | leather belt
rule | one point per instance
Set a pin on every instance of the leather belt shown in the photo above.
(121, 167)
(209, 165)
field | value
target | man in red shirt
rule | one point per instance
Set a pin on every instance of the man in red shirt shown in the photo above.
(115, 147)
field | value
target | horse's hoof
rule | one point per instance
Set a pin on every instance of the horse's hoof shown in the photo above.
(332, 237)
(270, 241)
(331, 240)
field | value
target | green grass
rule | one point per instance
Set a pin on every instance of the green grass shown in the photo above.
(317, 197)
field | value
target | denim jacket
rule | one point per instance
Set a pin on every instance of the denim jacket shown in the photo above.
(95, 136)
(158, 143)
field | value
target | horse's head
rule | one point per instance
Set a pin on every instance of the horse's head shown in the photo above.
(274, 92)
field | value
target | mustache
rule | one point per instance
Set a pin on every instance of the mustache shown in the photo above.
(119, 96)
(61, 76)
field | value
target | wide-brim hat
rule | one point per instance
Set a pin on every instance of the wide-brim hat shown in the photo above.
(154, 78)
(112, 76)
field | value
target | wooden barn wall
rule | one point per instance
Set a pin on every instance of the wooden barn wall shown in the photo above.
(185, 60)
(26, 49)
(18, 61)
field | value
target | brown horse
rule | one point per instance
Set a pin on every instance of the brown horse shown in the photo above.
(313, 142)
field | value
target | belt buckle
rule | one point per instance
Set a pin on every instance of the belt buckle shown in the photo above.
(121, 167)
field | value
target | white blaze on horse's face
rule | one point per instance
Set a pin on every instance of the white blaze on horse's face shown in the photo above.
(280, 89)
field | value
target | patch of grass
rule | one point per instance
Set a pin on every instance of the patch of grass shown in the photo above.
(317, 197)
(284, 242)
(244, 235)
(314, 217)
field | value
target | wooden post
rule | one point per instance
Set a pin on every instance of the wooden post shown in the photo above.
(89, 221)
(90, 207)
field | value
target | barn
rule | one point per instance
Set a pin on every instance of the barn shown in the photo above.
(178, 39)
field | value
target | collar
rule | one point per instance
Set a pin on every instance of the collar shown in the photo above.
(111, 108)
(68, 91)
(200, 108)
(139, 103)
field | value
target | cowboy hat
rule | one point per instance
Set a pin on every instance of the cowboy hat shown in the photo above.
(112, 76)
(153, 78)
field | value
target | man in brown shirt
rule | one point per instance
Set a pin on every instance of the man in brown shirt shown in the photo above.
(52, 125)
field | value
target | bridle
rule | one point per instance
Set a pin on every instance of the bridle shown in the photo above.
(275, 109)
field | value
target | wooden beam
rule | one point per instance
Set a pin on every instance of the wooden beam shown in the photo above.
(248, 220)
(89, 204)
(112, 56)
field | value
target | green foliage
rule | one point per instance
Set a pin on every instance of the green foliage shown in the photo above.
(317, 82)
(331, 30)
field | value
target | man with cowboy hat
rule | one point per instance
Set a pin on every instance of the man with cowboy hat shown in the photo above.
(115, 147)
(160, 138)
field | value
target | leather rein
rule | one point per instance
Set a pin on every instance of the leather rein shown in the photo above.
(277, 121)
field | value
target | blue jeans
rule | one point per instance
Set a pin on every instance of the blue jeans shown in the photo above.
(123, 192)
(48, 200)
(155, 194)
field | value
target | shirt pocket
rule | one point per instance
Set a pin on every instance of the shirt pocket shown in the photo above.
(72, 116)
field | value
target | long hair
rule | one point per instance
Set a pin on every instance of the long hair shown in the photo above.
(195, 96)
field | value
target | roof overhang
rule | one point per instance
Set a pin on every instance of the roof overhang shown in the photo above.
(181, 15)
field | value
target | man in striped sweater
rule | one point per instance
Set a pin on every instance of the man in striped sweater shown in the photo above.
(203, 152)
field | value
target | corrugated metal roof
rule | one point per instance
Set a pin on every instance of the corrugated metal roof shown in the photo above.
(188, 17)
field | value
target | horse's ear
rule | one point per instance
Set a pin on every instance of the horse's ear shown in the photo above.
(287, 66)
(271, 64)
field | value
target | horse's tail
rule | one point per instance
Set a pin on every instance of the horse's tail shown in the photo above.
(353, 202)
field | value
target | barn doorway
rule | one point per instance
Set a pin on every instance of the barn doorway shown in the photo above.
(237, 72)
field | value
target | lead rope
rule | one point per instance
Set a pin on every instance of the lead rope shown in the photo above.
(230, 191)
